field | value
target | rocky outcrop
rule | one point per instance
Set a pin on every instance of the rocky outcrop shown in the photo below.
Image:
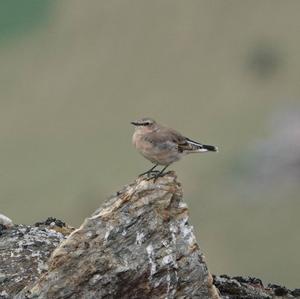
(139, 244)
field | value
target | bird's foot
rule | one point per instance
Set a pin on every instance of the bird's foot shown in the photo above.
(148, 173)
(156, 175)
(152, 176)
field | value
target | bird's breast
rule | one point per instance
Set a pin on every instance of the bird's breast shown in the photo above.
(160, 152)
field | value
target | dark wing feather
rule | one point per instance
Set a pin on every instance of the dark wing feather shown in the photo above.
(184, 144)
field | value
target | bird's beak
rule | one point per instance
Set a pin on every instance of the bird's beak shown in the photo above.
(134, 123)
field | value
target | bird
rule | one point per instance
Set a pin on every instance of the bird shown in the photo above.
(162, 145)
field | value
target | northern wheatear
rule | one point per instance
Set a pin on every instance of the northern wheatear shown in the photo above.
(163, 146)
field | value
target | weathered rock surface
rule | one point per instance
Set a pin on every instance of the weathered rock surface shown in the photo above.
(139, 244)
(239, 287)
(24, 251)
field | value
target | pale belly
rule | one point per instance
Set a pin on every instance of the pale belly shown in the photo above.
(162, 158)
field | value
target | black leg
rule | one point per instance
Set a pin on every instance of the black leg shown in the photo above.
(150, 170)
(156, 176)
(162, 171)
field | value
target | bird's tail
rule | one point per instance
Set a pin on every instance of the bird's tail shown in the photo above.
(199, 147)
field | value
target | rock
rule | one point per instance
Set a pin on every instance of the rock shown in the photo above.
(296, 293)
(251, 288)
(24, 251)
(139, 244)
(56, 225)
(5, 222)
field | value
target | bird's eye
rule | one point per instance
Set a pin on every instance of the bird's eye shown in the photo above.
(147, 123)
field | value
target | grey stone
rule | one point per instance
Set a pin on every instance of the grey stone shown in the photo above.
(24, 251)
(139, 244)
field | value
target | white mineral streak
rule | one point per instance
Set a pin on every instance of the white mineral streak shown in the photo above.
(168, 259)
(171, 292)
(95, 279)
(168, 284)
(107, 233)
(4, 294)
(182, 205)
(174, 289)
(41, 266)
(89, 234)
(139, 238)
(165, 243)
(173, 230)
(150, 253)
(187, 232)
(157, 283)
(170, 262)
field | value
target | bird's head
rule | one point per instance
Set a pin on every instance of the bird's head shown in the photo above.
(145, 123)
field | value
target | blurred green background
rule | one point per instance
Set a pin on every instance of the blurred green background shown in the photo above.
(73, 74)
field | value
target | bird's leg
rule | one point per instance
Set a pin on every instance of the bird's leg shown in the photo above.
(150, 170)
(162, 171)
(156, 176)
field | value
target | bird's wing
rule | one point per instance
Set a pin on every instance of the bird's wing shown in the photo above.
(178, 139)
(183, 143)
(168, 138)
